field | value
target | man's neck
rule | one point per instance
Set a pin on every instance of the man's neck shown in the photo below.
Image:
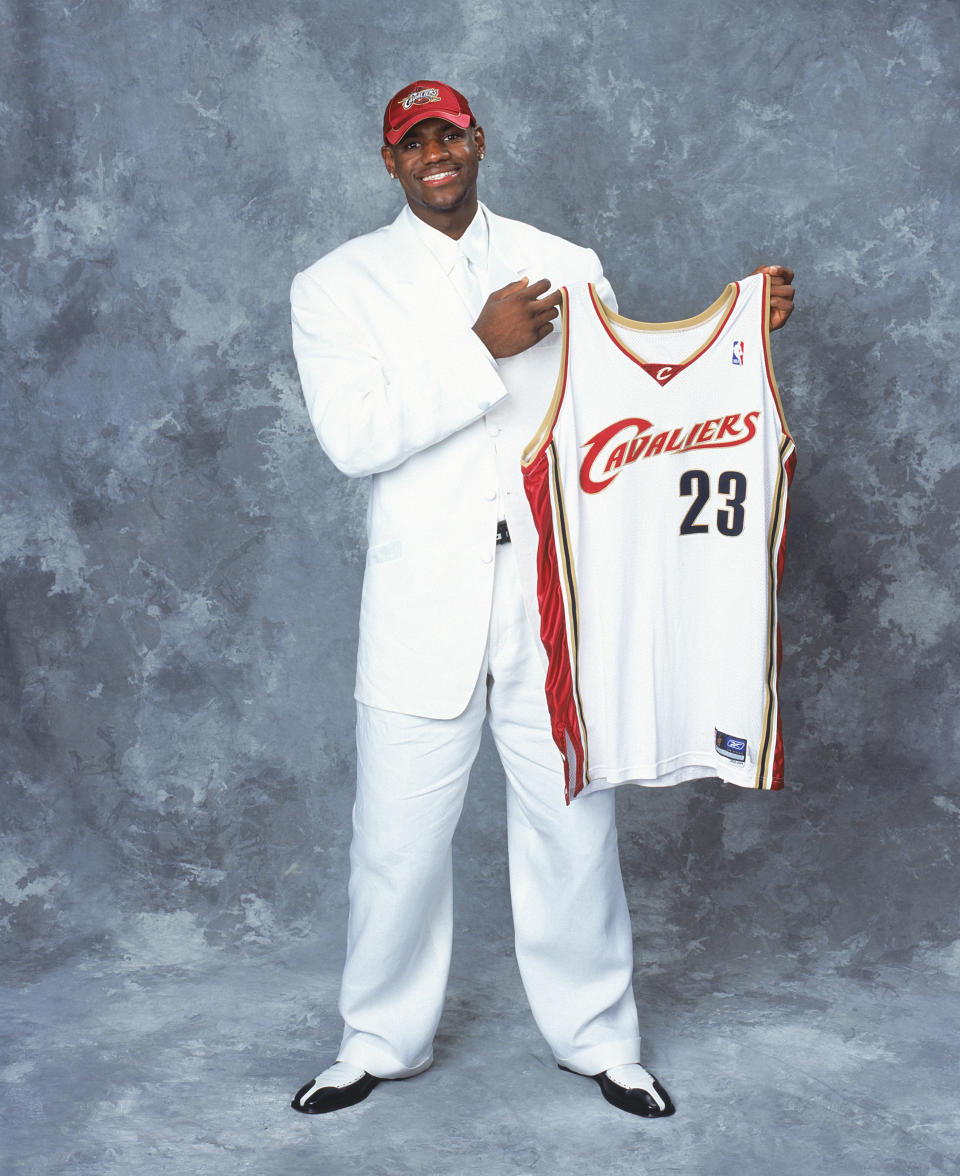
(452, 222)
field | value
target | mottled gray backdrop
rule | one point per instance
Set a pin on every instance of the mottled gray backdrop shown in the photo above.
(180, 564)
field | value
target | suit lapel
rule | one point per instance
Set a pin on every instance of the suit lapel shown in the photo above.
(509, 254)
(419, 280)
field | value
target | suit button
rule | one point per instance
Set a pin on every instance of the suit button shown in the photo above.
(487, 557)
(490, 495)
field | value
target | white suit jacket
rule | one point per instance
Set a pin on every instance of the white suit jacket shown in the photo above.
(400, 388)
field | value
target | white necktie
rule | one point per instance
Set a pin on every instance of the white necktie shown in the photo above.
(466, 276)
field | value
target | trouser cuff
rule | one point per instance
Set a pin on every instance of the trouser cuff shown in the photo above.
(379, 1062)
(602, 1057)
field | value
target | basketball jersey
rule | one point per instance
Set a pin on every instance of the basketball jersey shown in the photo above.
(658, 483)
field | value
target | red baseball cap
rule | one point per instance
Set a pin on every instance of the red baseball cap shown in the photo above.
(422, 100)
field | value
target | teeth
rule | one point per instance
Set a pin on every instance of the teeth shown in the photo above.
(437, 176)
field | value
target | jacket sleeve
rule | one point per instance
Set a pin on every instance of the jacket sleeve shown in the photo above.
(370, 415)
(604, 289)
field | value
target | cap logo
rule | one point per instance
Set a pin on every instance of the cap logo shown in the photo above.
(420, 98)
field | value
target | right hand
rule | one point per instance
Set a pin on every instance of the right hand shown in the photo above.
(516, 317)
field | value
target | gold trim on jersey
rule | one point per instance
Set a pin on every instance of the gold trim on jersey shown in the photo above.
(778, 522)
(778, 511)
(768, 358)
(545, 431)
(723, 306)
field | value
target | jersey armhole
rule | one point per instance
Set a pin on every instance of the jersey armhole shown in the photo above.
(541, 438)
(767, 356)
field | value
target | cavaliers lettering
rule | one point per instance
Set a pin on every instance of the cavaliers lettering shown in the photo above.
(420, 98)
(624, 442)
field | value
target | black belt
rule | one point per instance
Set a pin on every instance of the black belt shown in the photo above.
(503, 535)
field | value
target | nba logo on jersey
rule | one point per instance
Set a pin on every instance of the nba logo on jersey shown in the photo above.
(738, 352)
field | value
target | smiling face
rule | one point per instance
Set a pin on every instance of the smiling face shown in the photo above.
(437, 164)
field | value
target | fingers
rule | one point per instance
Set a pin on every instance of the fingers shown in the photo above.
(510, 288)
(781, 274)
(543, 312)
(542, 307)
(780, 310)
(522, 288)
(516, 317)
(781, 293)
(538, 288)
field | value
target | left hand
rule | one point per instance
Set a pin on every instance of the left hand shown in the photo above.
(781, 293)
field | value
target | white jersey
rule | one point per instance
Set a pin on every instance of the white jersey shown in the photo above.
(658, 483)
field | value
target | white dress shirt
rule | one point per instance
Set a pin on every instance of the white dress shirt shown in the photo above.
(465, 261)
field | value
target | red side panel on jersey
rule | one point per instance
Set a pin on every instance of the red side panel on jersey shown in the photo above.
(561, 675)
(789, 466)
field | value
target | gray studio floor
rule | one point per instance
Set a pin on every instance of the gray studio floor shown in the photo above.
(165, 1056)
(167, 1045)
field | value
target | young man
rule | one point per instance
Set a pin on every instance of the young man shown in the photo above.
(427, 355)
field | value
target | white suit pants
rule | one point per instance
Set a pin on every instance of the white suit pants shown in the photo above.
(572, 927)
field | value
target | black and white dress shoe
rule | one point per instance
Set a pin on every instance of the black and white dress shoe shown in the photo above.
(633, 1089)
(340, 1086)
